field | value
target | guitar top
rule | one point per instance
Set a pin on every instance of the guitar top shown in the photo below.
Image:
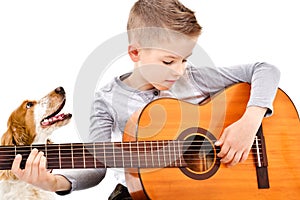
(272, 170)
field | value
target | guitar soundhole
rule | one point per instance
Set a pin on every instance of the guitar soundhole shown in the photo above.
(199, 154)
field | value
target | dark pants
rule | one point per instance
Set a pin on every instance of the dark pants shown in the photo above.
(120, 193)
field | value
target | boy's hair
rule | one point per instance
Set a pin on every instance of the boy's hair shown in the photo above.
(152, 20)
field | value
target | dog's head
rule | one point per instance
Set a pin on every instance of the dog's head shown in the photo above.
(34, 121)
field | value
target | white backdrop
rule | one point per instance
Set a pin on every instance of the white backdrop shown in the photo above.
(43, 44)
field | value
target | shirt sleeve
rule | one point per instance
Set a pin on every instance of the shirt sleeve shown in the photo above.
(263, 77)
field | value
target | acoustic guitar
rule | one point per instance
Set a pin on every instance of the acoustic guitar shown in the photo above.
(168, 151)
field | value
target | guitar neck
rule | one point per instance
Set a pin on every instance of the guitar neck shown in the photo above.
(145, 154)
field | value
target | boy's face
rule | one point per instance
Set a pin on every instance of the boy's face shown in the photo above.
(161, 68)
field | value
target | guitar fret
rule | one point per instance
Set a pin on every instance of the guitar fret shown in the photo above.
(130, 153)
(122, 154)
(46, 153)
(62, 152)
(83, 155)
(157, 150)
(104, 155)
(179, 153)
(52, 155)
(170, 159)
(59, 156)
(145, 150)
(151, 149)
(138, 152)
(95, 156)
(175, 159)
(114, 155)
(164, 152)
(72, 155)
(89, 155)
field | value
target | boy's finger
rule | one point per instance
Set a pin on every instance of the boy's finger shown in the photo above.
(224, 151)
(29, 161)
(36, 163)
(43, 163)
(236, 159)
(16, 165)
(220, 141)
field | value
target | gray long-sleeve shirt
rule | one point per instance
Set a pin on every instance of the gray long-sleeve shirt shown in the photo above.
(116, 102)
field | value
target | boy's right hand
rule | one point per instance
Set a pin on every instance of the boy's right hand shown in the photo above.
(36, 173)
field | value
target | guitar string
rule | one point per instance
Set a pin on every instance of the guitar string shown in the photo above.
(160, 146)
(131, 152)
(142, 154)
(162, 143)
(125, 158)
(120, 158)
(110, 151)
(141, 149)
(110, 143)
(91, 164)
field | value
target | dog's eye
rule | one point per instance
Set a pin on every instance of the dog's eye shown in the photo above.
(29, 105)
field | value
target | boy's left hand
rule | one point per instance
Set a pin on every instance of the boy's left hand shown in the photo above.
(237, 139)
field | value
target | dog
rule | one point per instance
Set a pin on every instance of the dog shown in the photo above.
(32, 123)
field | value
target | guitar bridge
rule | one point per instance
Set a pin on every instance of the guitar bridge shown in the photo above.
(259, 149)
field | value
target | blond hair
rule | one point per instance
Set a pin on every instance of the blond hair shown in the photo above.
(150, 19)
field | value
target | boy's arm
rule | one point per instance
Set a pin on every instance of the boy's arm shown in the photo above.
(237, 139)
(263, 77)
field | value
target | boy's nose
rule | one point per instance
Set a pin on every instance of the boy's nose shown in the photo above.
(179, 70)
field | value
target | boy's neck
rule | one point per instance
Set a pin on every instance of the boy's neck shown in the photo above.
(137, 82)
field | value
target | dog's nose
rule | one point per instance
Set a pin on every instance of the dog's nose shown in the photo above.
(60, 90)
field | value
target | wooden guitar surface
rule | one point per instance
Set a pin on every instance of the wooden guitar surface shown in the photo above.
(203, 176)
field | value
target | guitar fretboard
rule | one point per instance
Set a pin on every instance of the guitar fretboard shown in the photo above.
(144, 154)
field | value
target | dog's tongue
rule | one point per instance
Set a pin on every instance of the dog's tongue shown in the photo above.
(52, 120)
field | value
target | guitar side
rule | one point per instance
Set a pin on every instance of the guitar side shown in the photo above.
(168, 119)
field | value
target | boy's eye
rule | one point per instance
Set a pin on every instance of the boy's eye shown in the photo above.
(167, 62)
(184, 60)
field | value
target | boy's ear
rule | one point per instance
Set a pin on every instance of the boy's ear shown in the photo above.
(133, 52)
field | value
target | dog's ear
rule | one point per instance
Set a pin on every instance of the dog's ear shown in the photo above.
(7, 138)
(13, 131)
(18, 132)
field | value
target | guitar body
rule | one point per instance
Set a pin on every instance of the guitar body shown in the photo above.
(171, 119)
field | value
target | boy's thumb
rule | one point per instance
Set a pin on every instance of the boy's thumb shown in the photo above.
(219, 142)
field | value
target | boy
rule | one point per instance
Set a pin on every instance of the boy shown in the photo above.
(162, 35)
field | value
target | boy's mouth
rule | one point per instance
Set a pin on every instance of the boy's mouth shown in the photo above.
(171, 81)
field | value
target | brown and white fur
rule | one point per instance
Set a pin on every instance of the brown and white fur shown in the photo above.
(31, 123)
